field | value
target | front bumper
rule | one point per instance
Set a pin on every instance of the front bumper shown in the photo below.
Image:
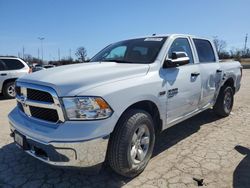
(72, 154)
(73, 144)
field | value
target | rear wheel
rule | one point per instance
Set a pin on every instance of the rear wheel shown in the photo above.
(132, 143)
(225, 100)
(9, 90)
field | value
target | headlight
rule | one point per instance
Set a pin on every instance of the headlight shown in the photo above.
(86, 108)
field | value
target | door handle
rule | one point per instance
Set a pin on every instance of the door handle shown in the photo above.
(3, 74)
(218, 70)
(195, 74)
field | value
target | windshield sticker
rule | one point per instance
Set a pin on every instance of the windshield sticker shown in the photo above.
(153, 39)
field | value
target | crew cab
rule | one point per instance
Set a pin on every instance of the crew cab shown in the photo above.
(112, 108)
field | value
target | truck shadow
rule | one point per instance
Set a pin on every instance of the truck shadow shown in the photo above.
(18, 169)
(241, 176)
(2, 97)
(178, 132)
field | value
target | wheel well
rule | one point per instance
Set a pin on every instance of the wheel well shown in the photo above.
(230, 82)
(9, 80)
(152, 109)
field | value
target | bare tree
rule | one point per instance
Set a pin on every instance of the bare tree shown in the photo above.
(81, 53)
(32, 60)
(220, 45)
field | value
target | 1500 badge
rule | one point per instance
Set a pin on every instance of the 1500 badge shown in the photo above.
(172, 92)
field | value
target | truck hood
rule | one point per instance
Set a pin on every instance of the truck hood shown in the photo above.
(70, 80)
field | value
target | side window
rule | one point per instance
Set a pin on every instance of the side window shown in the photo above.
(181, 45)
(2, 66)
(205, 50)
(118, 52)
(13, 64)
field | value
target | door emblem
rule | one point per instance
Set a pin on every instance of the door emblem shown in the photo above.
(172, 92)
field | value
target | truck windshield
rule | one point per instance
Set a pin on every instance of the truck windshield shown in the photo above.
(143, 50)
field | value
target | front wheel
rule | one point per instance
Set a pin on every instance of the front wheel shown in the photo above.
(9, 90)
(224, 102)
(132, 143)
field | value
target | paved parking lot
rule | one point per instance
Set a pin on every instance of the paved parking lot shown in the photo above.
(203, 147)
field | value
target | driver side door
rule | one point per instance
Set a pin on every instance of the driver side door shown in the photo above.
(183, 83)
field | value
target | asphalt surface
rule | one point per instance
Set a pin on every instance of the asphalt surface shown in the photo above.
(204, 150)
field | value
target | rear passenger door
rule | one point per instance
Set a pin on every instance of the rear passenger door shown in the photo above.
(209, 68)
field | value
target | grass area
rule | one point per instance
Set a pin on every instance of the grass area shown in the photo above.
(245, 61)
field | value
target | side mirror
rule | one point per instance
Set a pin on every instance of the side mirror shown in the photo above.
(178, 59)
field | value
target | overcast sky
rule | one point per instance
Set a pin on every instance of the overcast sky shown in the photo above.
(68, 24)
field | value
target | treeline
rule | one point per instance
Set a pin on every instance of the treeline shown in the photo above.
(234, 53)
(81, 54)
(65, 61)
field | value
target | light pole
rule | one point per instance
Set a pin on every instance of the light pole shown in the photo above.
(41, 39)
(245, 45)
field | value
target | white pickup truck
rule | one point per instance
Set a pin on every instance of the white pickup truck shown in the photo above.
(112, 108)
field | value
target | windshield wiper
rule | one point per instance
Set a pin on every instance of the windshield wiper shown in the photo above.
(116, 60)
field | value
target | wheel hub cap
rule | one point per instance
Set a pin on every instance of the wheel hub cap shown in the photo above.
(228, 101)
(140, 144)
(11, 91)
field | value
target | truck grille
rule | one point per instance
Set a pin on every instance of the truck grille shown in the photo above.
(43, 113)
(37, 95)
(39, 102)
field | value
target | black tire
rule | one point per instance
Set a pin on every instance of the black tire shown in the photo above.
(7, 86)
(120, 145)
(221, 107)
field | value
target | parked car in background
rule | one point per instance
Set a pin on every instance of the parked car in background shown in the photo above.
(11, 69)
(37, 68)
(114, 107)
(48, 66)
(41, 67)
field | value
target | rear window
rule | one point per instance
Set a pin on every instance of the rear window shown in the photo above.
(205, 51)
(12, 64)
